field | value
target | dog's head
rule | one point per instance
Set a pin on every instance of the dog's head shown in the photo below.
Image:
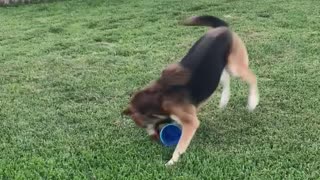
(146, 111)
(145, 108)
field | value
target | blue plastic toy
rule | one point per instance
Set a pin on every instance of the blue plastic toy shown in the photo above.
(170, 134)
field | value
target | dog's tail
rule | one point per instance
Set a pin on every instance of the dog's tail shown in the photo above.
(210, 21)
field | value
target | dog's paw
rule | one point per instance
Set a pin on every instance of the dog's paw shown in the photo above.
(253, 101)
(223, 104)
(170, 163)
(225, 96)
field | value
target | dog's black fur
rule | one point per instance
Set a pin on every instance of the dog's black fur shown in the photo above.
(206, 61)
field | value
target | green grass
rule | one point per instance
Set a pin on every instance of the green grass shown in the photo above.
(67, 69)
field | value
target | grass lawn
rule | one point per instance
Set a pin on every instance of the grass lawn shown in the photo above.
(67, 69)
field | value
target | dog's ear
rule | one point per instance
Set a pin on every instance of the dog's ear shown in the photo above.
(175, 74)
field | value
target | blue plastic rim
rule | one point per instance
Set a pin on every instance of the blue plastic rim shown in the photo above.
(170, 135)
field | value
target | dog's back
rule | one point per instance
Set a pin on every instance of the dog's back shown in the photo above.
(206, 61)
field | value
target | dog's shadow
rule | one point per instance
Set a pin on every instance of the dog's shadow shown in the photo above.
(232, 125)
(228, 128)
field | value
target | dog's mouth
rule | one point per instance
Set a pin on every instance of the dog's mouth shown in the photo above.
(139, 120)
(154, 128)
(150, 122)
(167, 120)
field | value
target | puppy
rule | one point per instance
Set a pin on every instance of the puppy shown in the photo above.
(184, 86)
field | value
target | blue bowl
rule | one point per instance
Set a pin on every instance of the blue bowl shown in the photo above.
(170, 134)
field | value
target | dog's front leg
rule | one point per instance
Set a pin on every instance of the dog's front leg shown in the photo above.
(190, 123)
(188, 131)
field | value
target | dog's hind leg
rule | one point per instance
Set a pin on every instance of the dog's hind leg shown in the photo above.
(247, 75)
(225, 95)
(238, 66)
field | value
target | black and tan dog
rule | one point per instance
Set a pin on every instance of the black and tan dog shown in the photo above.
(183, 86)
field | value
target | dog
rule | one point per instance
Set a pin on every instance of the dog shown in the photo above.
(184, 86)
